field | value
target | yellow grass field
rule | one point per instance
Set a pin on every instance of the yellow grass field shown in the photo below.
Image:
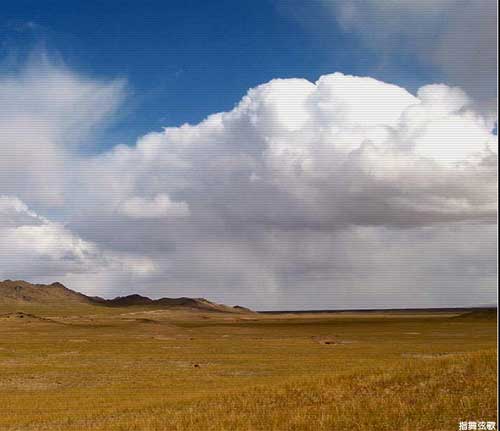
(98, 368)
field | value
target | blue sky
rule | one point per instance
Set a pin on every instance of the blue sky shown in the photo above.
(186, 59)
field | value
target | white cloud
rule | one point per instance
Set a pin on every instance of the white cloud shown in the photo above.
(46, 113)
(363, 152)
(14, 212)
(33, 246)
(160, 206)
(304, 192)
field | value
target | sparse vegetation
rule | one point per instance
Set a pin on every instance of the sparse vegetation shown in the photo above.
(85, 367)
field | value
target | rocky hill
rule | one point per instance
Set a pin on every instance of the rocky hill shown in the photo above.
(22, 291)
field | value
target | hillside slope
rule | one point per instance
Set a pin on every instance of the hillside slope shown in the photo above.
(20, 291)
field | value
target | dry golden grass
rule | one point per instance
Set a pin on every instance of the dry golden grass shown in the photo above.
(94, 369)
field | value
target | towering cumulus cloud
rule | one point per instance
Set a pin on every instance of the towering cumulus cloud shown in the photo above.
(344, 192)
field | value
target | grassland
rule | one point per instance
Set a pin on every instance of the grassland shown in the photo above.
(95, 368)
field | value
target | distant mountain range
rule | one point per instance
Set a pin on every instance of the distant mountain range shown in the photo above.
(20, 292)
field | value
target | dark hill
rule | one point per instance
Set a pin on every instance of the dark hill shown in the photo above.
(201, 304)
(127, 301)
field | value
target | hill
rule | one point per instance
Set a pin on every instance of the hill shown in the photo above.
(21, 292)
(201, 304)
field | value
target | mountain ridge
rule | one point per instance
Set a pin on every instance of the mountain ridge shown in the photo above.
(20, 291)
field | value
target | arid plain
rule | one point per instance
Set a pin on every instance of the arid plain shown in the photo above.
(69, 363)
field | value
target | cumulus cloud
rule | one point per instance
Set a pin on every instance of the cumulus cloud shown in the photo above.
(343, 192)
(345, 150)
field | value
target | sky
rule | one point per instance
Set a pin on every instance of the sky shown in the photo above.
(273, 154)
